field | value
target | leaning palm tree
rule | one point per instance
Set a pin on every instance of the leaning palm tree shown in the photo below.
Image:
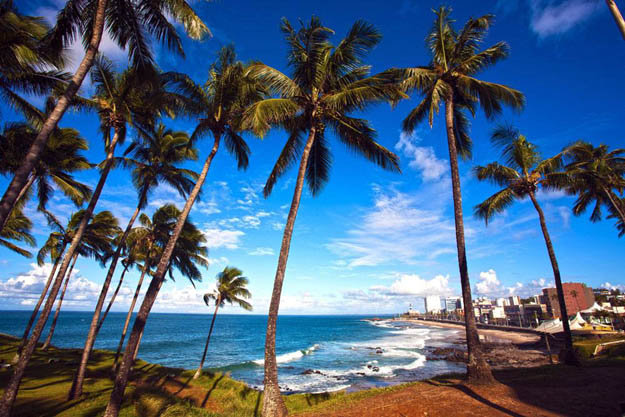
(120, 99)
(96, 243)
(231, 288)
(225, 95)
(618, 17)
(156, 157)
(521, 177)
(188, 254)
(61, 157)
(27, 65)
(450, 79)
(595, 175)
(328, 83)
(131, 23)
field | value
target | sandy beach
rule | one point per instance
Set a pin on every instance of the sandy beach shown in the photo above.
(487, 335)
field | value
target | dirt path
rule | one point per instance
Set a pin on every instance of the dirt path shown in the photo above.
(559, 391)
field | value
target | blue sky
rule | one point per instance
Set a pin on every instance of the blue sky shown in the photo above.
(374, 241)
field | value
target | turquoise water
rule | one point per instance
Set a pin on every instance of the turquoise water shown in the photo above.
(349, 352)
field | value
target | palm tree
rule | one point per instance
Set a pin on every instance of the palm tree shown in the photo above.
(155, 158)
(147, 242)
(18, 228)
(128, 262)
(61, 157)
(96, 243)
(151, 240)
(593, 174)
(328, 83)
(521, 177)
(131, 23)
(231, 288)
(226, 93)
(574, 295)
(450, 78)
(616, 14)
(26, 64)
(120, 99)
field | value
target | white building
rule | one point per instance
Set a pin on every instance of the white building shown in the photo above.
(432, 304)
(498, 313)
(453, 303)
(514, 300)
(502, 302)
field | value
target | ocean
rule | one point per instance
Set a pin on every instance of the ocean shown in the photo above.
(315, 353)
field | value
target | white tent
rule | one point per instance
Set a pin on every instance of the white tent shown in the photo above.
(593, 308)
(555, 326)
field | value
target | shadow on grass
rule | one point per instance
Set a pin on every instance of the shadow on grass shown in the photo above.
(210, 391)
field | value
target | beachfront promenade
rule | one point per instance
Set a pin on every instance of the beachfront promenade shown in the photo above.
(479, 325)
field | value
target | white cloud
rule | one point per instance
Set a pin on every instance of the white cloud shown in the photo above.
(422, 158)
(262, 252)
(27, 287)
(610, 286)
(414, 285)
(217, 238)
(488, 283)
(399, 228)
(552, 19)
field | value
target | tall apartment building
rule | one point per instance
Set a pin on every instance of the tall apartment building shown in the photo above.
(432, 304)
(577, 297)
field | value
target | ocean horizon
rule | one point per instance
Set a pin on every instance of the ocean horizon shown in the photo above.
(315, 353)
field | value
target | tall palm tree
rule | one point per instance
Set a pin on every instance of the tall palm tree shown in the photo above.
(521, 177)
(26, 64)
(456, 59)
(595, 175)
(120, 99)
(96, 243)
(231, 288)
(127, 262)
(156, 157)
(61, 157)
(150, 240)
(328, 83)
(225, 95)
(131, 23)
(147, 243)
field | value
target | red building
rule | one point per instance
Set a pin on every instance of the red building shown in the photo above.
(577, 297)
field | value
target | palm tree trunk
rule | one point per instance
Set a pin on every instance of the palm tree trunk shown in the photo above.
(34, 153)
(112, 300)
(618, 18)
(117, 395)
(478, 370)
(23, 191)
(569, 353)
(273, 404)
(615, 205)
(146, 267)
(11, 388)
(210, 331)
(46, 344)
(33, 316)
(136, 352)
(79, 379)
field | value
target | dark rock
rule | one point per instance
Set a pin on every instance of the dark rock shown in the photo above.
(375, 369)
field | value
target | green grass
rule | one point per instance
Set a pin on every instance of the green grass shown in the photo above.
(585, 347)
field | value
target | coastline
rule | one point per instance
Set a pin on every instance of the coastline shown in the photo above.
(486, 335)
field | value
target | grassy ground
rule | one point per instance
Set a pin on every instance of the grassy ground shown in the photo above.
(159, 391)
